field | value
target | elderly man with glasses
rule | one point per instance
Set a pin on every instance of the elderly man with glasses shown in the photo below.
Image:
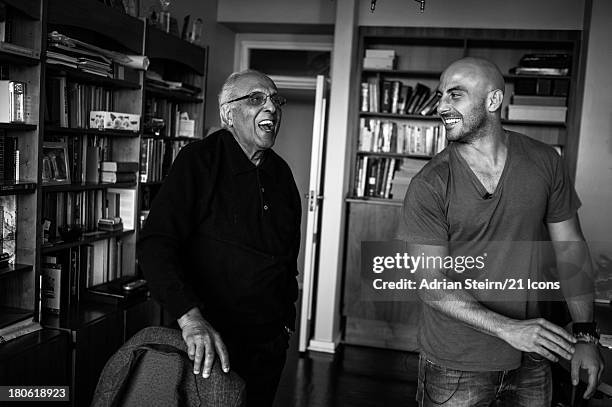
(220, 245)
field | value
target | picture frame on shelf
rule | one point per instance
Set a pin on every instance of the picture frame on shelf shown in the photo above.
(55, 167)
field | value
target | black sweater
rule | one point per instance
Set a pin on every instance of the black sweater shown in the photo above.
(224, 234)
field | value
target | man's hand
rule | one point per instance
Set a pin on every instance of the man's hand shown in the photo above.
(540, 336)
(587, 357)
(202, 341)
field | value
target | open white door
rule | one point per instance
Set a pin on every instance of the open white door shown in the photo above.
(311, 246)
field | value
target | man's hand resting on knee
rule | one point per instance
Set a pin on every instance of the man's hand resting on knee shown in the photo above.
(203, 341)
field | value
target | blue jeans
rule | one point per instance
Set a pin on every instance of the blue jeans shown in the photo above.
(528, 386)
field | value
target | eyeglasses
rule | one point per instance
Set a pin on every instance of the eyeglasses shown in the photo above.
(259, 99)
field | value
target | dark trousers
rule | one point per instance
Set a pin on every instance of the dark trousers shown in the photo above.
(260, 365)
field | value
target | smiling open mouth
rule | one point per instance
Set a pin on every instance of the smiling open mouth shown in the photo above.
(266, 125)
(451, 120)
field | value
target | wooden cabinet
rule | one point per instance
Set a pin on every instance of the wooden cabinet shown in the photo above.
(373, 204)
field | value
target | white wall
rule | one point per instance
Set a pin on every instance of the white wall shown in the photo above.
(277, 11)
(594, 167)
(513, 14)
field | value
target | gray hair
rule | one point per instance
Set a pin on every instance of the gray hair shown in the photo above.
(229, 88)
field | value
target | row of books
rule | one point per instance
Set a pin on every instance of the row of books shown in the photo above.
(67, 274)
(85, 209)
(85, 153)
(390, 136)
(69, 103)
(386, 178)
(156, 158)
(9, 157)
(397, 97)
(162, 117)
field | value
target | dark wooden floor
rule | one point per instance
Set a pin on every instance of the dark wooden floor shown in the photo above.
(355, 376)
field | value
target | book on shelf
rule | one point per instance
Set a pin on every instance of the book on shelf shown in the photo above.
(385, 102)
(127, 206)
(104, 261)
(115, 176)
(420, 94)
(12, 101)
(546, 60)
(533, 113)
(119, 166)
(405, 95)
(9, 157)
(541, 86)
(532, 100)
(365, 97)
(373, 176)
(521, 70)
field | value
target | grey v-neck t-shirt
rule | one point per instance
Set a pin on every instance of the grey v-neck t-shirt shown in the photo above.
(446, 204)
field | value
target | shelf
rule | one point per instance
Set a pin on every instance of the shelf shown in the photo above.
(84, 77)
(78, 316)
(151, 183)
(178, 138)
(533, 123)
(14, 269)
(11, 315)
(395, 155)
(17, 187)
(29, 341)
(400, 116)
(86, 186)
(91, 132)
(17, 127)
(95, 16)
(14, 56)
(376, 201)
(404, 73)
(172, 95)
(513, 77)
(165, 46)
(89, 238)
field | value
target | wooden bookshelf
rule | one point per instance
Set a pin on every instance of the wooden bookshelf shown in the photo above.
(422, 55)
(94, 329)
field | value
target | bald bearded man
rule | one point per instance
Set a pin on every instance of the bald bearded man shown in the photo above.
(478, 347)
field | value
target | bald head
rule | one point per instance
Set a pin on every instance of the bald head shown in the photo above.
(234, 84)
(471, 95)
(480, 72)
